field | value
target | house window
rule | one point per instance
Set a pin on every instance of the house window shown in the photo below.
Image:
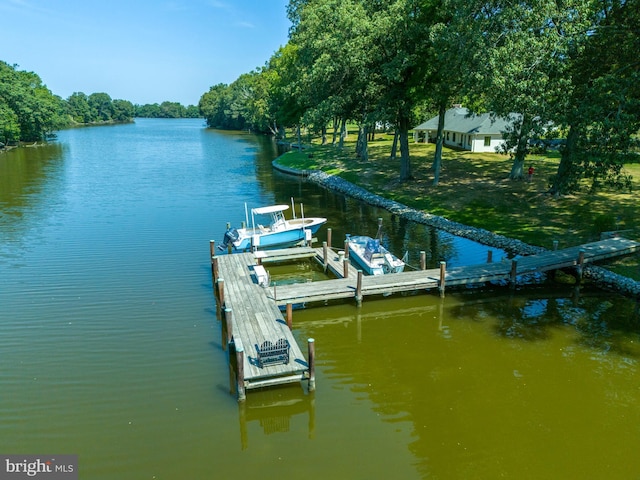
(487, 141)
(447, 136)
(454, 136)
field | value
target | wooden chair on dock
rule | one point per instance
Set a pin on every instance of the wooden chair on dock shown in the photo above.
(270, 354)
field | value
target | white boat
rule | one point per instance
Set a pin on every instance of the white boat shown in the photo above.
(374, 259)
(276, 232)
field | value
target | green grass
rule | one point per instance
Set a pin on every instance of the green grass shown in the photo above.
(474, 190)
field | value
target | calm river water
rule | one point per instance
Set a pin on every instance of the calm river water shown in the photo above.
(110, 347)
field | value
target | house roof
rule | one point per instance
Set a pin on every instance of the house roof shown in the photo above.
(460, 120)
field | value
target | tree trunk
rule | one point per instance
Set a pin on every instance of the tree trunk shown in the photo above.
(405, 158)
(343, 133)
(299, 134)
(565, 174)
(394, 145)
(437, 158)
(324, 134)
(517, 169)
(335, 131)
(362, 145)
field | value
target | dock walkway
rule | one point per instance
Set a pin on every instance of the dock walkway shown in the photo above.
(251, 319)
(463, 275)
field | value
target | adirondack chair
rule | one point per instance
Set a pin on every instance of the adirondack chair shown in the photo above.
(270, 354)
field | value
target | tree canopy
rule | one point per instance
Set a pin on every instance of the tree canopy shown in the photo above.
(559, 69)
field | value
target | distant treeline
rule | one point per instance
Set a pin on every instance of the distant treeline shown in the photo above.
(167, 110)
(29, 111)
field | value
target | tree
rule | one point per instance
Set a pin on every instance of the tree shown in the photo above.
(122, 110)
(36, 111)
(521, 66)
(101, 107)
(400, 30)
(78, 108)
(603, 112)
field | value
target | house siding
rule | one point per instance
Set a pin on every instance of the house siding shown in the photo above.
(465, 131)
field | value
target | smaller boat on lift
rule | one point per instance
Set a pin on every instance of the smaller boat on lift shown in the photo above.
(277, 233)
(371, 255)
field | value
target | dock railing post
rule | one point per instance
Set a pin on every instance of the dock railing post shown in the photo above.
(580, 266)
(329, 237)
(240, 373)
(312, 364)
(359, 289)
(514, 272)
(325, 254)
(423, 260)
(443, 271)
(345, 268)
(290, 315)
(212, 248)
(346, 249)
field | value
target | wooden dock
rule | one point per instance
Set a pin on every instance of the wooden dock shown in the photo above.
(251, 313)
(249, 319)
(417, 280)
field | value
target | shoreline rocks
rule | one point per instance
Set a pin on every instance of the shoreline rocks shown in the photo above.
(598, 275)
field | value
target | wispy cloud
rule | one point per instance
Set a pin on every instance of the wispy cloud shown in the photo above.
(245, 24)
(220, 5)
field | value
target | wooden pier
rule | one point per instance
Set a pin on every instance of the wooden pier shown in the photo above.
(250, 306)
(359, 286)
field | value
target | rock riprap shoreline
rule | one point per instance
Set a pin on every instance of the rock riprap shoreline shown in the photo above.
(598, 275)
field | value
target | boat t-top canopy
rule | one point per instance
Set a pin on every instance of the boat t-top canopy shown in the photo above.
(269, 209)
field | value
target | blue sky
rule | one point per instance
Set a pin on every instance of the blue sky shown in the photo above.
(144, 51)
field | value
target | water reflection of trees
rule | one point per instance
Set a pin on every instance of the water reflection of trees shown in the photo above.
(531, 315)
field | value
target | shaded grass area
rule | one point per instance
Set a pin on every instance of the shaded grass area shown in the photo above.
(474, 190)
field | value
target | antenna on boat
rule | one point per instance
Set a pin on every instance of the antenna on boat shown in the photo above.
(246, 214)
(293, 208)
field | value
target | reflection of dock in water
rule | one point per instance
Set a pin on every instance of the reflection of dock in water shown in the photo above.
(275, 412)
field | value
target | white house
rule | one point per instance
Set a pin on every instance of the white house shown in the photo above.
(476, 133)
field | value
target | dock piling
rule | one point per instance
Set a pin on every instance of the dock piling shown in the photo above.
(290, 315)
(345, 267)
(221, 292)
(214, 272)
(580, 266)
(325, 253)
(329, 237)
(359, 289)
(423, 260)
(443, 271)
(228, 315)
(240, 373)
(513, 273)
(312, 364)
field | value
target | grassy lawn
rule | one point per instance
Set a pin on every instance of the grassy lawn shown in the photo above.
(474, 190)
